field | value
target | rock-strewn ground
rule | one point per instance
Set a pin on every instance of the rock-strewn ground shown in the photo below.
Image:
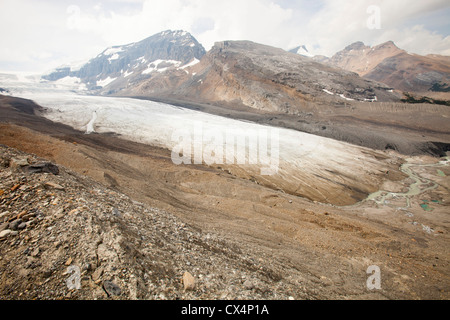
(235, 237)
(53, 225)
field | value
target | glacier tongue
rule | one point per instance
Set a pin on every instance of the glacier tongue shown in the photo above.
(312, 166)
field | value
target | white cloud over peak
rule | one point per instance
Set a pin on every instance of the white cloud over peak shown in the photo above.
(43, 35)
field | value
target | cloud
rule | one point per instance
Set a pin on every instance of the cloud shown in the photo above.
(210, 21)
(341, 22)
(418, 39)
(51, 32)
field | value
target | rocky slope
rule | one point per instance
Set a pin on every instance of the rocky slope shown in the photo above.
(395, 67)
(126, 64)
(64, 236)
(413, 73)
(260, 77)
(362, 59)
(237, 238)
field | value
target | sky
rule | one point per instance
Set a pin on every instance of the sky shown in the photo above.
(39, 35)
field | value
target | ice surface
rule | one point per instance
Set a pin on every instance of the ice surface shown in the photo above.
(296, 158)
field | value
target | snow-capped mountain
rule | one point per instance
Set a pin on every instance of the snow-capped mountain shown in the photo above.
(158, 53)
(302, 50)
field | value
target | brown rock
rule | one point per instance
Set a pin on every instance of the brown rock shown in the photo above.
(68, 262)
(20, 215)
(53, 186)
(188, 281)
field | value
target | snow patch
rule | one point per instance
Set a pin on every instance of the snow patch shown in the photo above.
(111, 51)
(329, 92)
(105, 82)
(115, 56)
(344, 97)
(371, 100)
(90, 126)
(154, 66)
(190, 64)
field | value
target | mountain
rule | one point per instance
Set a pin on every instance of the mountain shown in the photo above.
(414, 73)
(302, 50)
(362, 59)
(395, 67)
(260, 77)
(126, 63)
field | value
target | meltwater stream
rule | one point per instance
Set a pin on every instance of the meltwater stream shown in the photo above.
(419, 186)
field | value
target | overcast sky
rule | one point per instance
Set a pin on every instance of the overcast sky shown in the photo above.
(38, 35)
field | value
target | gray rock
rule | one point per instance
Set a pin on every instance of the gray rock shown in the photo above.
(22, 226)
(18, 162)
(14, 225)
(45, 167)
(248, 285)
(116, 213)
(4, 226)
(5, 233)
(111, 288)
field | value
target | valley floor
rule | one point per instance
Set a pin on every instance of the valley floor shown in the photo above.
(239, 239)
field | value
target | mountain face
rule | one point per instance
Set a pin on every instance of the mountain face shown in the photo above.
(362, 59)
(395, 67)
(168, 49)
(413, 73)
(260, 77)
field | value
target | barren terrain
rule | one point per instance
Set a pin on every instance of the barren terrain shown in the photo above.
(286, 246)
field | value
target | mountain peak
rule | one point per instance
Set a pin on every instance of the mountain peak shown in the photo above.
(387, 44)
(174, 33)
(358, 45)
(361, 59)
(302, 50)
(157, 53)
